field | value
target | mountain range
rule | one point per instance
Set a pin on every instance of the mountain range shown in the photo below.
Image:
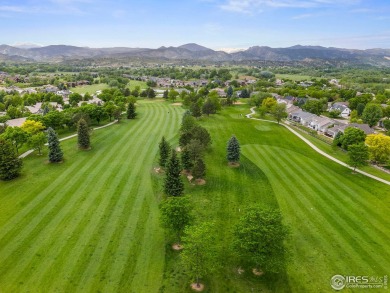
(194, 52)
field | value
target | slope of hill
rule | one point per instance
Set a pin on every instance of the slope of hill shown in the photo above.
(194, 51)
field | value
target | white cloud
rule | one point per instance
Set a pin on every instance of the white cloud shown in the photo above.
(302, 16)
(12, 8)
(249, 6)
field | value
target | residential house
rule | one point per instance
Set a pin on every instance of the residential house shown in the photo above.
(16, 122)
(332, 132)
(365, 127)
(321, 123)
(302, 117)
(342, 107)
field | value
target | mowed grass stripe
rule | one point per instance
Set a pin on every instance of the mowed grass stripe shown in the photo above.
(313, 240)
(83, 247)
(350, 205)
(123, 254)
(150, 255)
(86, 184)
(339, 224)
(301, 216)
(74, 228)
(47, 194)
(139, 154)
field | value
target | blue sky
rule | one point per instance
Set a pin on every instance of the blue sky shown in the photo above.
(212, 23)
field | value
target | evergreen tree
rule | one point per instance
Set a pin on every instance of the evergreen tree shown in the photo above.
(10, 164)
(83, 134)
(164, 148)
(131, 114)
(199, 169)
(233, 150)
(173, 185)
(229, 92)
(55, 152)
(186, 161)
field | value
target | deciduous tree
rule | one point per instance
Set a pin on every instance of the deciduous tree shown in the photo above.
(352, 136)
(358, 155)
(279, 111)
(372, 114)
(199, 255)
(16, 136)
(378, 147)
(199, 169)
(259, 238)
(176, 214)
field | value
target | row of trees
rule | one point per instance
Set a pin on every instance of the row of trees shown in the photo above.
(257, 240)
(362, 147)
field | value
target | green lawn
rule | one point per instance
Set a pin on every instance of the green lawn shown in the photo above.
(91, 223)
(294, 77)
(134, 83)
(91, 89)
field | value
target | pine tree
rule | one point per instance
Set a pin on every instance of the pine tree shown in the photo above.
(131, 114)
(199, 169)
(10, 164)
(186, 159)
(164, 148)
(173, 185)
(55, 152)
(83, 134)
(233, 150)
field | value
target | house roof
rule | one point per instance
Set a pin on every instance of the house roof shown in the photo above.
(16, 122)
(365, 127)
(322, 121)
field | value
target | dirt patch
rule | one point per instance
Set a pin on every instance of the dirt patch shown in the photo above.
(197, 287)
(177, 246)
(178, 149)
(48, 162)
(234, 164)
(176, 104)
(85, 149)
(200, 182)
(257, 272)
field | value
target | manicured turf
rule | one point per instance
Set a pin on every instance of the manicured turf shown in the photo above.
(339, 220)
(90, 223)
(91, 89)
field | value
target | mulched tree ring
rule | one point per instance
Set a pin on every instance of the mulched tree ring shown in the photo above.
(197, 287)
(257, 272)
(177, 247)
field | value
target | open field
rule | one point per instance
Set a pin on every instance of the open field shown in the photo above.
(134, 83)
(294, 77)
(91, 223)
(91, 89)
